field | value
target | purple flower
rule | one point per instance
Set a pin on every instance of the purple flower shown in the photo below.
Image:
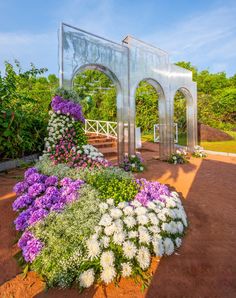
(26, 236)
(51, 181)
(36, 189)
(65, 181)
(32, 249)
(35, 178)
(57, 207)
(30, 171)
(22, 202)
(37, 216)
(21, 222)
(150, 191)
(20, 187)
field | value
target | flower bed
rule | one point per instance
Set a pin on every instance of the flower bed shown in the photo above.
(83, 221)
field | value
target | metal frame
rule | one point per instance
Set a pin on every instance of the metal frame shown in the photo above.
(128, 64)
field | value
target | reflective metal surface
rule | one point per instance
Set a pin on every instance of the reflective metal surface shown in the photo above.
(128, 64)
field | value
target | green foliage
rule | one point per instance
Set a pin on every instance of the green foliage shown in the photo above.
(113, 184)
(59, 263)
(24, 100)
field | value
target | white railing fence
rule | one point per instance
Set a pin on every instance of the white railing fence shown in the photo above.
(157, 132)
(99, 127)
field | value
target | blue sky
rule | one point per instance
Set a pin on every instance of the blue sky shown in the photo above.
(202, 32)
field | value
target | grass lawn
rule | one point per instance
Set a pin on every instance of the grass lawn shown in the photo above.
(225, 146)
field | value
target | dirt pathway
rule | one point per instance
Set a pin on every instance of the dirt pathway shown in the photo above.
(205, 265)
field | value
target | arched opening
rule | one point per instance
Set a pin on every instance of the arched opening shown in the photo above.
(183, 117)
(151, 112)
(101, 98)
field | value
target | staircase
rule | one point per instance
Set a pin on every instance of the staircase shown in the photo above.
(106, 145)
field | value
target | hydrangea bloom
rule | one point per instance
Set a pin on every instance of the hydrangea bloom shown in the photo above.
(22, 202)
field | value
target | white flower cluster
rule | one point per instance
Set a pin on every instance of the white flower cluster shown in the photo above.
(199, 152)
(137, 233)
(92, 152)
(58, 125)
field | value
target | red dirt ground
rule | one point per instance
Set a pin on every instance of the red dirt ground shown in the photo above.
(205, 265)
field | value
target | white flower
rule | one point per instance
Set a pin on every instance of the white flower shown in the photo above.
(140, 210)
(103, 207)
(98, 229)
(133, 165)
(158, 247)
(180, 227)
(107, 259)
(116, 213)
(168, 246)
(142, 219)
(105, 241)
(122, 205)
(178, 242)
(141, 169)
(106, 220)
(128, 210)
(93, 248)
(110, 202)
(133, 234)
(119, 238)
(119, 225)
(161, 216)
(144, 237)
(154, 229)
(129, 249)
(151, 205)
(86, 279)
(170, 203)
(126, 269)
(143, 257)
(136, 203)
(108, 274)
(153, 218)
(130, 221)
(110, 230)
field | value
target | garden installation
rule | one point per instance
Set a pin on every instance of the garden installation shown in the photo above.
(82, 219)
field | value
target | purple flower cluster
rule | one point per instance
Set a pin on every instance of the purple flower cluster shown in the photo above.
(151, 190)
(67, 107)
(30, 245)
(40, 194)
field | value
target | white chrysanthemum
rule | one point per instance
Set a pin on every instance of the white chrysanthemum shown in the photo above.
(86, 279)
(161, 216)
(126, 269)
(98, 229)
(110, 202)
(140, 210)
(158, 247)
(93, 248)
(103, 207)
(154, 229)
(128, 210)
(119, 225)
(130, 221)
(119, 238)
(122, 205)
(129, 249)
(94, 236)
(132, 234)
(170, 203)
(136, 203)
(110, 230)
(108, 274)
(105, 241)
(116, 213)
(180, 227)
(106, 220)
(153, 218)
(168, 246)
(143, 257)
(144, 237)
(107, 259)
(178, 242)
(173, 227)
(151, 205)
(142, 219)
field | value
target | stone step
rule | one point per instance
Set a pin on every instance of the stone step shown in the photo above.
(108, 152)
(103, 145)
(101, 140)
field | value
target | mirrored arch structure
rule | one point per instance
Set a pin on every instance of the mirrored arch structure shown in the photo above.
(127, 64)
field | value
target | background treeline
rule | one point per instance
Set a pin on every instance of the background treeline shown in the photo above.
(25, 97)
